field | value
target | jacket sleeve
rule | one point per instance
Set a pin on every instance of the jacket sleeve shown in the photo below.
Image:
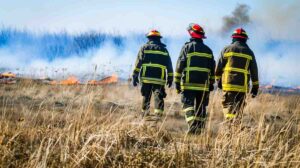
(220, 66)
(254, 72)
(169, 68)
(181, 64)
(138, 62)
(212, 69)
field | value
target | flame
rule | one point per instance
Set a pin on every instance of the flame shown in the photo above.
(8, 75)
(108, 80)
(72, 80)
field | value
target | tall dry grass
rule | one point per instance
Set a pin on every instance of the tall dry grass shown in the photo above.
(87, 126)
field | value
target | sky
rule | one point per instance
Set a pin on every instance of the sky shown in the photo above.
(272, 28)
(170, 16)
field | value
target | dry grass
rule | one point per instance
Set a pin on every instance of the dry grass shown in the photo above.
(84, 126)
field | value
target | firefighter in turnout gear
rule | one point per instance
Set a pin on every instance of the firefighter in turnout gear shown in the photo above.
(153, 70)
(235, 68)
(194, 78)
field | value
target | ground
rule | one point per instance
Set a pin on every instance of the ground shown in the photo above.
(100, 126)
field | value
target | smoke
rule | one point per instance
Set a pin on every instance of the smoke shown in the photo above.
(239, 17)
(57, 55)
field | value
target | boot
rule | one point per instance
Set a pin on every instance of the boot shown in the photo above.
(145, 113)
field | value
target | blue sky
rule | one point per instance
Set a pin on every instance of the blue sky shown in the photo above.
(169, 16)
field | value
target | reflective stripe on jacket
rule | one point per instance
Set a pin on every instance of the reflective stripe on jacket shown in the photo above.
(195, 66)
(154, 64)
(236, 65)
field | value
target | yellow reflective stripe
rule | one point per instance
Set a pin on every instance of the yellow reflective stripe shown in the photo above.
(155, 52)
(229, 116)
(154, 79)
(229, 54)
(247, 64)
(137, 69)
(178, 74)
(197, 69)
(194, 88)
(188, 109)
(144, 70)
(199, 54)
(255, 83)
(234, 86)
(236, 70)
(194, 84)
(187, 78)
(158, 111)
(234, 89)
(237, 88)
(163, 68)
(155, 65)
(162, 73)
(177, 80)
(192, 118)
(153, 82)
(170, 74)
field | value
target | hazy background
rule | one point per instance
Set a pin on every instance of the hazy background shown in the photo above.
(53, 37)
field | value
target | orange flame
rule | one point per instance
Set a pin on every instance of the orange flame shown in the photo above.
(72, 80)
(108, 80)
(8, 75)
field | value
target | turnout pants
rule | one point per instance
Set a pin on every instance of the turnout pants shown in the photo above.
(233, 104)
(194, 107)
(159, 94)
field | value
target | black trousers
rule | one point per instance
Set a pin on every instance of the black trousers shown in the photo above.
(159, 94)
(194, 107)
(233, 104)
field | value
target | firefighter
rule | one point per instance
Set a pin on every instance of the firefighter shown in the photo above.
(153, 69)
(236, 66)
(194, 78)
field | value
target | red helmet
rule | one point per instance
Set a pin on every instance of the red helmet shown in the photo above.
(196, 31)
(239, 33)
(154, 33)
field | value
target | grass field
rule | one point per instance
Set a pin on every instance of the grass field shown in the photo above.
(89, 126)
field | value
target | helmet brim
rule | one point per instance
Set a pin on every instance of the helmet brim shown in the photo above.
(239, 36)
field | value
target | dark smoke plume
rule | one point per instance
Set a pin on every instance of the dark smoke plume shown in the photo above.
(239, 17)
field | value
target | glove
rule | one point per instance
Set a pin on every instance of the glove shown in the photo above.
(169, 83)
(211, 87)
(220, 84)
(254, 92)
(178, 88)
(135, 80)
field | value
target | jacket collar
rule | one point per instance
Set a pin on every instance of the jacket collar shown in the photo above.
(196, 40)
(158, 42)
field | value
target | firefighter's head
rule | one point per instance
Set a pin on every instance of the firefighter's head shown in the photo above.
(153, 35)
(196, 31)
(239, 33)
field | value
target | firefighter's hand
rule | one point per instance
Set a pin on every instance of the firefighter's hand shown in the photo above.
(254, 92)
(211, 87)
(178, 88)
(169, 83)
(135, 80)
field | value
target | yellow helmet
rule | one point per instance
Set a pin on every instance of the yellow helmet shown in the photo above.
(154, 33)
